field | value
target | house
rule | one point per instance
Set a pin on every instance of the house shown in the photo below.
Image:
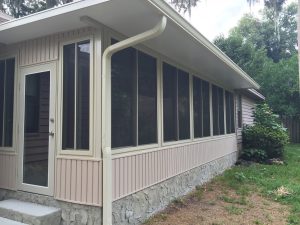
(246, 100)
(110, 109)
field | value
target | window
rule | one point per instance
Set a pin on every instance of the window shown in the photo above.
(239, 111)
(201, 104)
(218, 110)
(7, 78)
(176, 104)
(134, 99)
(76, 96)
(230, 124)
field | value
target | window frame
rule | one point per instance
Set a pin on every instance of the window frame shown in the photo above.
(210, 107)
(91, 150)
(134, 150)
(234, 111)
(239, 111)
(145, 50)
(12, 149)
(182, 68)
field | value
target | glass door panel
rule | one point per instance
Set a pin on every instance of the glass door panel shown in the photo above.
(36, 129)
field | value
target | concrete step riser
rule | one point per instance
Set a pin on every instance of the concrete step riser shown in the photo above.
(29, 213)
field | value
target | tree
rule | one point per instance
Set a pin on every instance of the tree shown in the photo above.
(262, 33)
(19, 8)
(250, 44)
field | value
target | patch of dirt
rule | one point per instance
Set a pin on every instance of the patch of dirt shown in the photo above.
(215, 205)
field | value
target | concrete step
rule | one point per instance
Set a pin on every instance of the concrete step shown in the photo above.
(4, 221)
(29, 213)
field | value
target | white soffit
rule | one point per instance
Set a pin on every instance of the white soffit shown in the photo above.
(180, 41)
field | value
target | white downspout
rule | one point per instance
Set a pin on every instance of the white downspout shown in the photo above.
(106, 111)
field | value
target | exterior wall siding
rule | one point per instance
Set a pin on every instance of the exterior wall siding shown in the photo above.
(46, 49)
(8, 170)
(79, 181)
(37, 51)
(136, 172)
(248, 106)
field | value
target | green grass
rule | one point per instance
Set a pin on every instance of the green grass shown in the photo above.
(240, 201)
(267, 179)
(234, 210)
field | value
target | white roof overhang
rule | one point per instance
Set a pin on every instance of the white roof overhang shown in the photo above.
(180, 41)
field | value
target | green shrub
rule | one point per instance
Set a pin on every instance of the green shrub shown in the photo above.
(254, 154)
(266, 134)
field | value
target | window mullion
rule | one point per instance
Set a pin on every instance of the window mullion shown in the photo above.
(4, 103)
(224, 108)
(177, 107)
(202, 109)
(75, 96)
(136, 85)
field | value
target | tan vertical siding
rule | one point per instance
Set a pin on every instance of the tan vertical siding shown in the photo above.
(8, 171)
(153, 167)
(46, 49)
(79, 181)
(248, 106)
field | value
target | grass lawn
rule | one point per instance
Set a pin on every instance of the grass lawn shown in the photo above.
(255, 194)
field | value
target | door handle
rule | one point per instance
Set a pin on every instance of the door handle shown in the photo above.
(51, 133)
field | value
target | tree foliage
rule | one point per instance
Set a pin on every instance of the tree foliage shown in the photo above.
(273, 63)
(19, 8)
(266, 135)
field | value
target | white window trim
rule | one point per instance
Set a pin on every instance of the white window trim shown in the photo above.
(167, 143)
(91, 150)
(134, 150)
(119, 150)
(12, 149)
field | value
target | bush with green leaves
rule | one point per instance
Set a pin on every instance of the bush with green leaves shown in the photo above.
(254, 154)
(267, 134)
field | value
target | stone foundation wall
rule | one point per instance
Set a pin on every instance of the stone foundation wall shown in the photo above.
(136, 208)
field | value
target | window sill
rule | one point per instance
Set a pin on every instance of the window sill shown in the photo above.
(76, 152)
(133, 149)
(7, 151)
(152, 148)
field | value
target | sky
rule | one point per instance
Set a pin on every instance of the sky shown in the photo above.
(213, 17)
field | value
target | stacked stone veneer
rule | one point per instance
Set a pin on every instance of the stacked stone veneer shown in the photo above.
(137, 207)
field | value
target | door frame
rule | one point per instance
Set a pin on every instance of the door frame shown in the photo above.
(52, 68)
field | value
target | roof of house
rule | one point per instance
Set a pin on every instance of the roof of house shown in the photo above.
(181, 42)
(4, 17)
(253, 94)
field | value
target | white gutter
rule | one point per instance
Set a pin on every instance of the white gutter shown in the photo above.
(106, 111)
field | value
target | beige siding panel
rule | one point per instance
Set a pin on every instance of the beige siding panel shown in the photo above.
(79, 181)
(8, 172)
(248, 106)
(46, 49)
(153, 167)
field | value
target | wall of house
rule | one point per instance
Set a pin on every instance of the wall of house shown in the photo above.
(248, 106)
(78, 179)
(30, 53)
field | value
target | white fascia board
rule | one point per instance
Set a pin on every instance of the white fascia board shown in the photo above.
(257, 94)
(49, 13)
(166, 9)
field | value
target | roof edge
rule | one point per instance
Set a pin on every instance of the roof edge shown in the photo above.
(45, 14)
(6, 16)
(172, 14)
